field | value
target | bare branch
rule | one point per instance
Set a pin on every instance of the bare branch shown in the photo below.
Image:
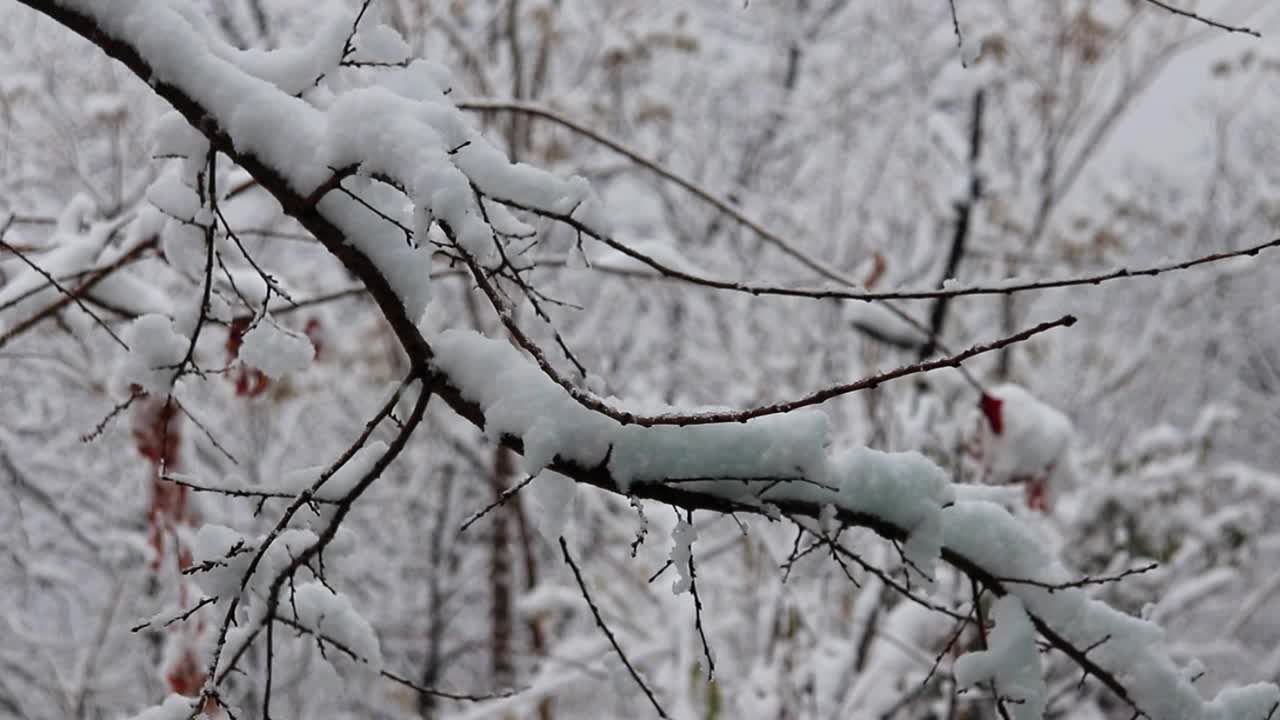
(1205, 20)
(325, 640)
(595, 612)
(49, 278)
(1002, 288)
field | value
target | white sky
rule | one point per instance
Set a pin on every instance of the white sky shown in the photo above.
(1165, 126)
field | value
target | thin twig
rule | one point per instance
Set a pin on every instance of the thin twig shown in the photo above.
(241, 492)
(207, 433)
(955, 25)
(182, 616)
(323, 639)
(81, 290)
(1205, 20)
(625, 417)
(1000, 288)
(693, 188)
(1083, 582)
(501, 500)
(697, 610)
(721, 204)
(50, 279)
(595, 611)
(302, 499)
(115, 411)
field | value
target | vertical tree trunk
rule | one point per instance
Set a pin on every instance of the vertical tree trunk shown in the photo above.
(500, 580)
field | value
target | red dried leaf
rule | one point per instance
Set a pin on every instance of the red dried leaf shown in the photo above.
(155, 431)
(185, 678)
(992, 410)
(314, 331)
(1037, 494)
(235, 336)
(251, 382)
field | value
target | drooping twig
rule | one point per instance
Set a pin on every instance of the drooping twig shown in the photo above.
(658, 573)
(209, 187)
(697, 611)
(501, 500)
(208, 434)
(268, 280)
(951, 643)
(344, 506)
(595, 612)
(188, 358)
(898, 587)
(955, 25)
(528, 291)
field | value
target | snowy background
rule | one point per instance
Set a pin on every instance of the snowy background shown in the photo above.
(326, 409)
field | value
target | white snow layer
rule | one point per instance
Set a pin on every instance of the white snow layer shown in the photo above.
(223, 556)
(405, 132)
(275, 350)
(332, 617)
(78, 244)
(342, 482)
(174, 707)
(1011, 662)
(786, 458)
(682, 537)
(1035, 435)
(155, 351)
